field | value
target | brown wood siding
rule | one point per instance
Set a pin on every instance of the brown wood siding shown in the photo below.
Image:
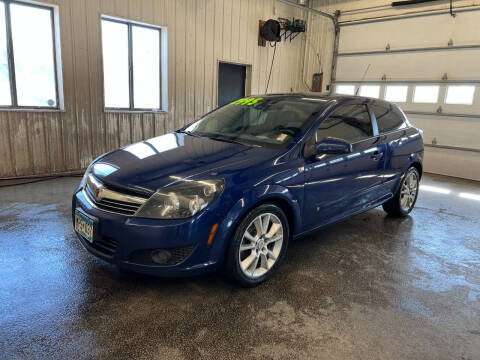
(200, 34)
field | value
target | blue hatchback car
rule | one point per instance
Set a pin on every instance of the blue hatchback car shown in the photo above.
(233, 188)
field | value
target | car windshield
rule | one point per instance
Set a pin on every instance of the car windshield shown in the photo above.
(271, 122)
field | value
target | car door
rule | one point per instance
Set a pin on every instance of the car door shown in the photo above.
(337, 185)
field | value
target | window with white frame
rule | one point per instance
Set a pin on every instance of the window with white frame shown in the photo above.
(345, 89)
(372, 91)
(132, 65)
(426, 94)
(396, 93)
(460, 94)
(28, 56)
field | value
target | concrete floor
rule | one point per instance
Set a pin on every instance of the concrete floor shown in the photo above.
(371, 287)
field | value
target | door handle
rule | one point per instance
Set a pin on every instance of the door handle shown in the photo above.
(377, 155)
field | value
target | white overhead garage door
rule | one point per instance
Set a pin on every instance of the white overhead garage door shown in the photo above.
(430, 66)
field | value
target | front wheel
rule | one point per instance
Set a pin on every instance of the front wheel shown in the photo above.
(404, 200)
(258, 245)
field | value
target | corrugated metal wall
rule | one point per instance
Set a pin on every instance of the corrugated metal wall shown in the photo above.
(200, 33)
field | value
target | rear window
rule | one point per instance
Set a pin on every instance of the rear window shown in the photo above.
(388, 119)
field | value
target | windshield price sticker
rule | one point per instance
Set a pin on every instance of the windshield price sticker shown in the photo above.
(246, 101)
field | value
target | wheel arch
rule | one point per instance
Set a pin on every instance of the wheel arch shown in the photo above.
(284, 205)
(267, 194)
(278, 196)
(418, 165)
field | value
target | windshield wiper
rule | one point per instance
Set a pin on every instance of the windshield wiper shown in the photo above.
(218, 138)
(188, 133)
(213, 137)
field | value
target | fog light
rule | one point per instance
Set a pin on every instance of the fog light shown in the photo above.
(161, 256)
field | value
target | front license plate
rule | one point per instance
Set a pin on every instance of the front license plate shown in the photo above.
(84, 225)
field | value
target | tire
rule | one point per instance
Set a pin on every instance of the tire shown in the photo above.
(264, 253)
(405, 198)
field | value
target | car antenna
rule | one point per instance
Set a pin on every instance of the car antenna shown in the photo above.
(363, 78)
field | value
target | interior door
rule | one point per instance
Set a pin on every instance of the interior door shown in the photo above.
(231, 83)
(340, 184)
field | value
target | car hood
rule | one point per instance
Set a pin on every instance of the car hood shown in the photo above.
(152, 164)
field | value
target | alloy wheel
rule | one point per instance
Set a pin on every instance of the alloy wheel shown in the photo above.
(408, 193)
(261, 245)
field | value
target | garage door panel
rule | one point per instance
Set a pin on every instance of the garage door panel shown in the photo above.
(452, 163)
(458, 64)
(449, 131)
(427, 31)
(424, 57)
(465, 110)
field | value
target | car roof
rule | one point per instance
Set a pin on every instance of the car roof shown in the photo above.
(334, 97)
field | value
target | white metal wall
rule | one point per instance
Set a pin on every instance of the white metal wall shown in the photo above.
(421, 51)
(200, 34)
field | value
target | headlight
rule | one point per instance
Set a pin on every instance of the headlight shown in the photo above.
(107, 169)
(181, 200)
(84, 178)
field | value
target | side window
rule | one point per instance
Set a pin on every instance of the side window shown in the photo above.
(350, 123)
(30, 69)
(132, 65)
(387, 119)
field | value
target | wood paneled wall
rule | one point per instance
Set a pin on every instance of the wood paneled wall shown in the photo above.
(200, 33)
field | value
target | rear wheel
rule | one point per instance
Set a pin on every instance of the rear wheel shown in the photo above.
(258, 245)
(404, 200)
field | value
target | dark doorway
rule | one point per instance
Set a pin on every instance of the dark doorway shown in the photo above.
(231, 82)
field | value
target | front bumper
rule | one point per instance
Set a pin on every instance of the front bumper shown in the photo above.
(128, 241)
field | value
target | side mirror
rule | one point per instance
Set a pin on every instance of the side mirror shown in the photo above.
(333, 146)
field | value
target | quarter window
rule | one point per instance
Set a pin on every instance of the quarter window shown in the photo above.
(427, 94)
(350, 123)
(28, 64)
(131, 65)
(460, 94)
(387, 119)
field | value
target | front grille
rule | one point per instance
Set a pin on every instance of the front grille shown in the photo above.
(112, 201)
(115, 206)
(105, 245)
(179, 255)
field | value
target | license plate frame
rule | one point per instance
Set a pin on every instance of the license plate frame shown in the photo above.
(85, 225)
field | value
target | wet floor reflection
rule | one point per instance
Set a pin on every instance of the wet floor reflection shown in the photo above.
(364, 288)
